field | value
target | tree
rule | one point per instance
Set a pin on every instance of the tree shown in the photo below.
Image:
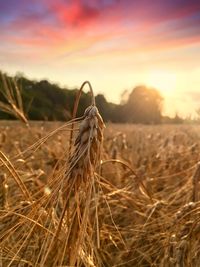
(177, 119)
(144, 105)
(124, 97)
(104, 107)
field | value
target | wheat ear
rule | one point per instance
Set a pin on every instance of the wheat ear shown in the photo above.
(78, 191)
(87, 145)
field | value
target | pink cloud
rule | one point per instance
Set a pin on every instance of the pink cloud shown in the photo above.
(75, 13)
(64, 25)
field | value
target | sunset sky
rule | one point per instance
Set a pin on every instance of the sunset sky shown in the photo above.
(116, 44)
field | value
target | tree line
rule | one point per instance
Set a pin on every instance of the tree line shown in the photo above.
(43, 100)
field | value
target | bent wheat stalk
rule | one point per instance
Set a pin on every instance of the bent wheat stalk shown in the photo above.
(78, 96)
(81, 174)
(78, 192)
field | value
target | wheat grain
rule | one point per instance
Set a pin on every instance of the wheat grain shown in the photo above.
(88, 142)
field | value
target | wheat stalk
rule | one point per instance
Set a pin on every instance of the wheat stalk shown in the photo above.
(81, 172)
(195, 180)
(3, 192)
(73, 237)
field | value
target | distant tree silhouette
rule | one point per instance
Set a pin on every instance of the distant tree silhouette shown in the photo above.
(177, 119)
(105, 108)
(124, 97)
(143, 106)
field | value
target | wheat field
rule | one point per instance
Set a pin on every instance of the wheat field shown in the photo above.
(135, 204)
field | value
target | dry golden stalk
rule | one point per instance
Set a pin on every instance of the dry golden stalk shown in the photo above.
(3, 138)
(170, 253)
(3, 191)
(184, 211)
(76, 108)
(114, 152)
(141, 185)
(10, 219)
(78, 192)
(10, 168)
(181, 254)
(196, 179)
(82, 164)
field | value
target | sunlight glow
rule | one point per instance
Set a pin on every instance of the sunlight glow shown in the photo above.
(163, 81)
(116, 45)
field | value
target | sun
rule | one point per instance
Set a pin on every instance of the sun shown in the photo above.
(163, 81)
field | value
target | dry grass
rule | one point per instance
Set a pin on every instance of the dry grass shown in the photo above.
(66, 200)
(12, 95)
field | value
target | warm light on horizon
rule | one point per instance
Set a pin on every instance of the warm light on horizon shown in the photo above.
(165, 82)
(117, 45)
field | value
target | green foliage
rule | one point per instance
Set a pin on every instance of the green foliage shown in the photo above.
(43, 100)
